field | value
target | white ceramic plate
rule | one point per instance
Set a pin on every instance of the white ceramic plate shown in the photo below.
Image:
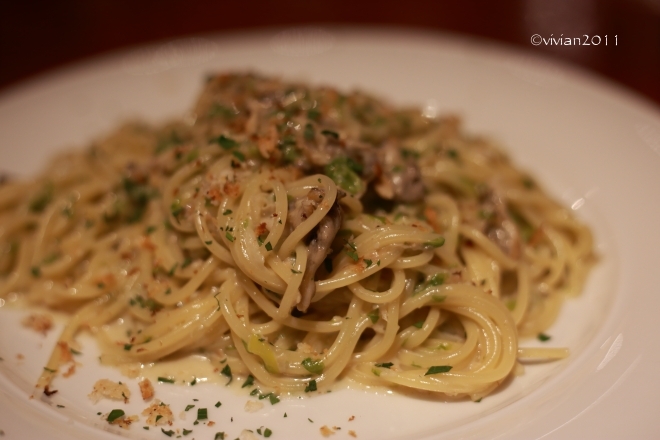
(593, 145)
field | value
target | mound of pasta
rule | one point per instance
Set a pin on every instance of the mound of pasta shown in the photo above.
(299, 235)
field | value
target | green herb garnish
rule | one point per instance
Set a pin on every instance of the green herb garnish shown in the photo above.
(115, 414)
(248, 382)
(226, 371)
(352, 251)
(438, 369)
(308, 132)
(202, 414)
(313, 366)
(39, 203)
(225, 142)
(330, 133)
(374, 315)
(436, 243)
(343, 171)
(385, 365)
(311, 386)
(238, 155)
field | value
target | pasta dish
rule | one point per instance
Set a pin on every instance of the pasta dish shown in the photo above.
(297, 235)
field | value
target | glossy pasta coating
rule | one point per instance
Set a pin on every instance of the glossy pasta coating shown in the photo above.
(300, 235)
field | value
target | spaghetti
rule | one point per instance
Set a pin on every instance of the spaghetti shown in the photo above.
(298, 235)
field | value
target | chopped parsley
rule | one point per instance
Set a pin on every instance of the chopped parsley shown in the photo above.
(128, 347)
(169, 433)
(36, 271)
(374, 315)
(351, 251)
(238, 155)
(219, 436)
(344, 172)
(313, 114)
(330, 134)
(313, 366)
(436, 243)
(308, 132)
(138, 195)
(368, 262)
(225, 142)
(115, 414)
(226, 371)
(437, 279)
(384, 365)
(202, 414)
(176, 209)
(269, 247)
(543, 337)
(165, 379)
(438, 369)
(186, 431)
(311, 386)
(218, 404)
(39, 203)
(227, 212)
(189, 407)
(248, 382)
(229, 236)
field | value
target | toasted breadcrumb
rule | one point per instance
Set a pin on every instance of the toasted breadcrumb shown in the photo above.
(158, 409)
(70, 371)
(131, 370)
(125, 421)
(351, 418)
(38, 322)
(352, 433)
(253, 406)
(65, 352)
(325, 431)
(107, 389)
(146, 389)
(246, 434)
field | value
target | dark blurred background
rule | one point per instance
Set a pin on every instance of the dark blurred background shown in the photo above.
(36, 36)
